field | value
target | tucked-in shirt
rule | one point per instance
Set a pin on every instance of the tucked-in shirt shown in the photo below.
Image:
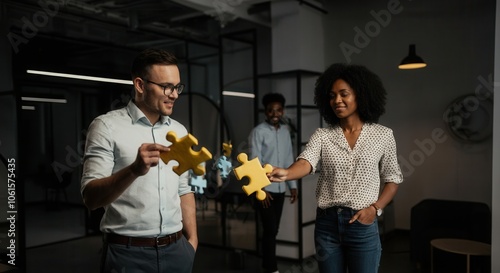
(352, 177)
(150, 206)
(273, 147)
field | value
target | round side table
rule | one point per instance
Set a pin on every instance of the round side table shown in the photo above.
(460, 246)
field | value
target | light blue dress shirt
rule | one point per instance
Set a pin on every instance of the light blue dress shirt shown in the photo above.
(273, 147)
(150, 206)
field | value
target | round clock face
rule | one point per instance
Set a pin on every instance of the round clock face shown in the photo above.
(470, 118)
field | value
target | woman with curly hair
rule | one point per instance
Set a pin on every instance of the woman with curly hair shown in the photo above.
(355, 155)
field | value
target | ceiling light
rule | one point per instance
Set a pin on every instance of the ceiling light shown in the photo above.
(28, 107)
(412, 61)
(79, 77)
(238, 94)
(38, 99)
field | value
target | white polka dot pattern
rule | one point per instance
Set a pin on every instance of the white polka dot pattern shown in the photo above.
(352, 177)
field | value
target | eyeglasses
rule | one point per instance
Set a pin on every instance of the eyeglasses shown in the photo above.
(169, 88)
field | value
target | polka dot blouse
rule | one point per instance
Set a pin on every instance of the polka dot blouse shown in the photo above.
(352, 177)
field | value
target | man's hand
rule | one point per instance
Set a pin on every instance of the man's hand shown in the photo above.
(148, 156)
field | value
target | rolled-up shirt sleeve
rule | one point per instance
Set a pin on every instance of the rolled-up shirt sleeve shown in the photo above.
(312, 151)
(98, 161)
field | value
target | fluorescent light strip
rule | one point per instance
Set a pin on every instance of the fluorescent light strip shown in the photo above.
(28, 107)
(79, 77)
(238, 94)
(44, 99)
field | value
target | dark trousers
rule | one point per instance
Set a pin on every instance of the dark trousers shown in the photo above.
(270, 218)
(177, 257)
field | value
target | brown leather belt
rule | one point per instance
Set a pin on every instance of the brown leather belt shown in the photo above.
(145, 242)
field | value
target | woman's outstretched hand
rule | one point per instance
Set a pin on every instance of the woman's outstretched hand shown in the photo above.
(277, 175)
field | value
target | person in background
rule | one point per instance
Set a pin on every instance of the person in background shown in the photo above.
(149, 222)
(270, 141)
(355, 155)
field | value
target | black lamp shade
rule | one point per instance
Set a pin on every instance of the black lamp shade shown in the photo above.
(412, 61)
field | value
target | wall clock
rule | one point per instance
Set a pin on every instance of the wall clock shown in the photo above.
(470, 118)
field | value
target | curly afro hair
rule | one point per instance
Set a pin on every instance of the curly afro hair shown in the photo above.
(368, 88)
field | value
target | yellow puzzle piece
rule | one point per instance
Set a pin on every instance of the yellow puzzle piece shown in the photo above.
(227, 148)
(182, 152)
(255, 172)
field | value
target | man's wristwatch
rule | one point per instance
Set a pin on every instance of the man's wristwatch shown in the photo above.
(379, 210)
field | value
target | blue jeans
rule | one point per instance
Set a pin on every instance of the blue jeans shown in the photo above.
(342, 247)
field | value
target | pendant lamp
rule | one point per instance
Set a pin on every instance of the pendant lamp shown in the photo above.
(412, 61)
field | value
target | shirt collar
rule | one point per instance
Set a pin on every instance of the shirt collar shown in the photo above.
(272, 126)
(137, 115)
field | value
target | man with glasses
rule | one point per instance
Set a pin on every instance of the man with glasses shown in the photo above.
(149, 223)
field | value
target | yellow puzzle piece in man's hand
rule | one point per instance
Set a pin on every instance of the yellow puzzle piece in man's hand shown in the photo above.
(256, 173)
(182, 152)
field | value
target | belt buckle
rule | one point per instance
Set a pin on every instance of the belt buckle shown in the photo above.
(169, 239)
(157, 242)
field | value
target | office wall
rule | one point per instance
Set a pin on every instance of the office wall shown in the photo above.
(455, 39)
